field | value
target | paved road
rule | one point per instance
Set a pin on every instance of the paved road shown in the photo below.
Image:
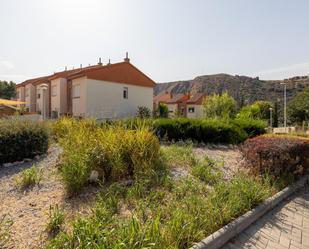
(285, 227)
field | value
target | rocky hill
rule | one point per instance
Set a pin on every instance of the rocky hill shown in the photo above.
(244, 89)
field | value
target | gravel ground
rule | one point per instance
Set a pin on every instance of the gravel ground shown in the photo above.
(229, 155)
(29, 209)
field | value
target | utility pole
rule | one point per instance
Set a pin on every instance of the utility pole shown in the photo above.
(271, 118)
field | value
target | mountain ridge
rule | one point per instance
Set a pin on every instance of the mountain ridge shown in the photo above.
(244, 89)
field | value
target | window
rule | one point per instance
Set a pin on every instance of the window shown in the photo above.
(76, 91)
(54, 90)
(191, 109)
(125, 92)
(27, 92)
(39, 95)
(18, 94)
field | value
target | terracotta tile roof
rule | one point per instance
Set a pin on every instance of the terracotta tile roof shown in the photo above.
(162, 97)
(178, 98)
(196, 99)
(122, 72)
(67, 73)
(32, 81)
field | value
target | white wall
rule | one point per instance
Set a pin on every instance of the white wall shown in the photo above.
(105, 99)
(198, 111)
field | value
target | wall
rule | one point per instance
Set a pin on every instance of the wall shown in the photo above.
(59, 102)
(198, 111)
(21, 93)
(105, 99)
(172, 109)
(79, 104)
(39, 101)
(31, 99)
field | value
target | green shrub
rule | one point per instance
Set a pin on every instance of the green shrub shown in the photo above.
(56, 219)
(206, 131)
(29, 177)
(251, 126)
(22, 139)
(143, 112)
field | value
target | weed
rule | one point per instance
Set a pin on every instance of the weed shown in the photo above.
(5, 223)
(29, 177)
(56, 219)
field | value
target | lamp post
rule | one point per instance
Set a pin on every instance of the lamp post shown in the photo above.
(284, 111)
(44, 88)
(271, 118)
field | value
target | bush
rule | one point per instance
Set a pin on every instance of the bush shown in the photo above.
(22, 139)
(206, 131)
(29, 177)
(143, 112)
(276, 156)
(251, 127)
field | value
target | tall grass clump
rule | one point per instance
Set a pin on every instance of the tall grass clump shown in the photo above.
(22, 139)
(112, 150)
(29, 177)
(56, 219)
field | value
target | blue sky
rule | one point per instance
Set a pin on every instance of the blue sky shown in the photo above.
(167, 39)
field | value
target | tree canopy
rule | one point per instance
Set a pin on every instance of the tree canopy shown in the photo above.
(258, 110)
(219, 106)
(298, 107)
(7, 89)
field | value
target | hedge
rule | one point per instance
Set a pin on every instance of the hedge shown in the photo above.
(206, 131)
(21, 139)
(276, 155)
(224, 131)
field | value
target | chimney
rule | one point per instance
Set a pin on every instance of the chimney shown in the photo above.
(100, 62)
(81, 65)
(66, 68)
(127, 57)
(109, 62)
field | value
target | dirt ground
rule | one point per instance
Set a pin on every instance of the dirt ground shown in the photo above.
(29, 209)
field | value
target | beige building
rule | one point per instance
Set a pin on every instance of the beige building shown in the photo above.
(185, 105)
(102, 92)
(195, 106)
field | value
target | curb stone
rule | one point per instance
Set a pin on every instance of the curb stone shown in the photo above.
(229, 231)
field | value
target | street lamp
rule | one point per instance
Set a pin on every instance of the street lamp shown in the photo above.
(284, 111)
(271, 117)
(44, 87)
